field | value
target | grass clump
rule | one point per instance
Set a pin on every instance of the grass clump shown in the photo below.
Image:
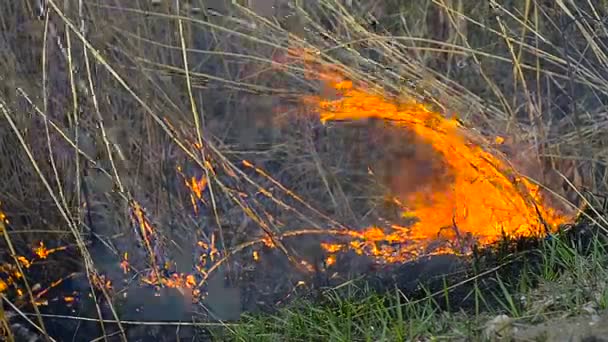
(559, 280)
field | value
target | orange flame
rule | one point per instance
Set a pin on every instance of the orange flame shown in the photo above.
(124, 264)
(196, 186)
(42, 252)
(3, 219)
(477, 195)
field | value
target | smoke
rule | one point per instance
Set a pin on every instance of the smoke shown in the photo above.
(555, 190)
(422, 171)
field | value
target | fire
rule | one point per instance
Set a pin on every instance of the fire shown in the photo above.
(100, 281)
(478, 196)
(3, 219)
(330, 260)
(197, 187)
(175, 280)
(43, 252)
(124, 264)
(475, 197)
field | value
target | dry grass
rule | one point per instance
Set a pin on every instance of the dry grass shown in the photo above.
(101, 101)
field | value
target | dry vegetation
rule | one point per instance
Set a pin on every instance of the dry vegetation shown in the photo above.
(111, 106)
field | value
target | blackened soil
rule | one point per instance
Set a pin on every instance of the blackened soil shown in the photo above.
(273, 282)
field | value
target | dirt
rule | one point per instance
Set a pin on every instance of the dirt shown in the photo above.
(572, 329)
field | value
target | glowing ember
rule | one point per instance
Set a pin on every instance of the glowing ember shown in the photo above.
(23, 260)
(184, 283)
(101, 282)
(330, 260)
(42, 252)
(197, 188)
(477, 196)
(124, 264)
(3, 219)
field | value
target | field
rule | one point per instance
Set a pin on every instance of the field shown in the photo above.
(303, 170)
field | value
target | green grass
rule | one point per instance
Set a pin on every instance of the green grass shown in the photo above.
(564, 281)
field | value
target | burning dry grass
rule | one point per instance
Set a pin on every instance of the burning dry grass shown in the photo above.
(477, 195)
(508, 302)
(178, 142)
